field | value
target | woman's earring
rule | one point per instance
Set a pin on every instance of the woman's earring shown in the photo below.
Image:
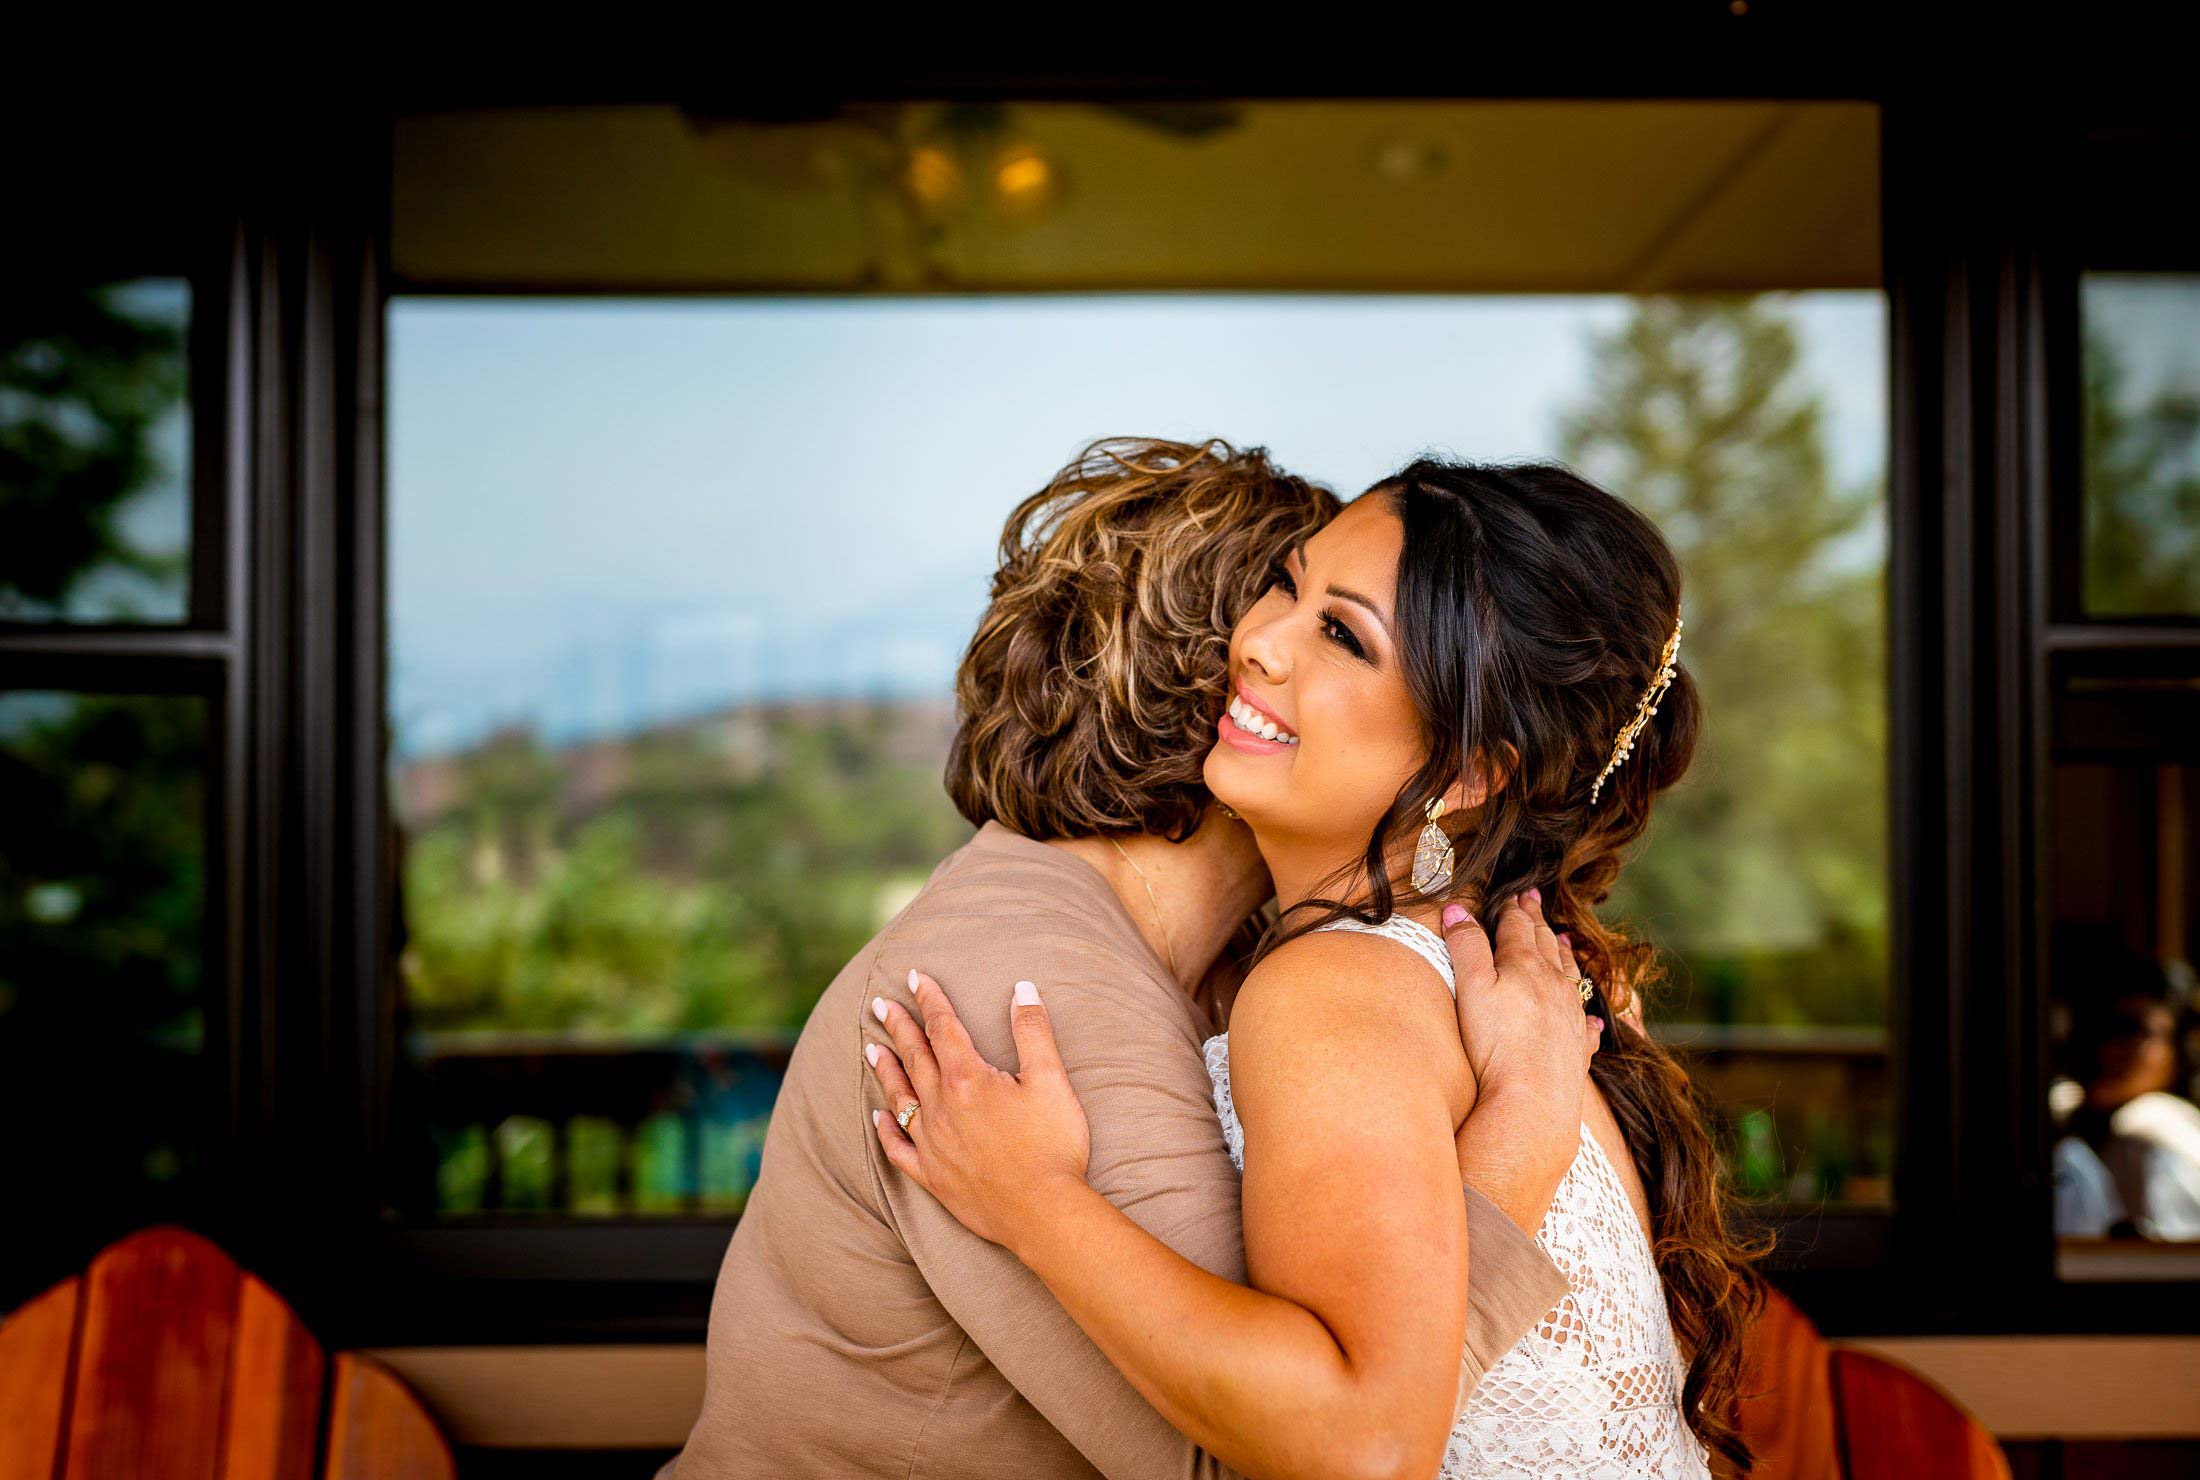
(1432, 860)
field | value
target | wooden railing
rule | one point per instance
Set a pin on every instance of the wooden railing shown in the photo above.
(560, 1124)
(557, 1123)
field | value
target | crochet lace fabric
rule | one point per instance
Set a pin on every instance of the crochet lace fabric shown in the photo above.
(1595, 1389)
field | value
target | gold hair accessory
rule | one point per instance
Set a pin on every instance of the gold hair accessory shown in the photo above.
(1432, 859)
(1625, 745)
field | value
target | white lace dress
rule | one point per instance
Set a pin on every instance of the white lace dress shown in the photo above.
(1595, 1389)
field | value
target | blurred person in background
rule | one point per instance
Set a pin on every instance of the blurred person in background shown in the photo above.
(2129, 1158)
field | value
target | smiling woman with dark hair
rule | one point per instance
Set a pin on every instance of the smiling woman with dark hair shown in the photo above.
(1462, 694)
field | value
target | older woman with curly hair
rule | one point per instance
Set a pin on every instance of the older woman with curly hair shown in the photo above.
(858, 1328)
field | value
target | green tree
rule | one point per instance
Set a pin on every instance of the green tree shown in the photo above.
(2142, 491)
(84, 382)
(1765, 871)
(696, 895)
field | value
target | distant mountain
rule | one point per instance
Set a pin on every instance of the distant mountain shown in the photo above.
(737, 742)
(627, 672)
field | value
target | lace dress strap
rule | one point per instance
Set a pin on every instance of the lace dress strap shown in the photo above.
(1411, 934)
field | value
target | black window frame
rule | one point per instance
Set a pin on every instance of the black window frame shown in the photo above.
(192, 657)
(1979, 281)
(2109, 168)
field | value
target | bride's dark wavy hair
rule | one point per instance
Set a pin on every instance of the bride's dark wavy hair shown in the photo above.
(1532, 610)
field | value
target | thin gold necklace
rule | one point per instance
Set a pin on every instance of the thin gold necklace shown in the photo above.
(1159, 924)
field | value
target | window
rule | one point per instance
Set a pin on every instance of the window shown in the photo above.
(116, 1000)
(678, 581)
(2141, 365)
(2124, 1035)
(567, 1053)
(1749, 430)
(105, 1087)
(95, 452)
(678, 587)
(102, 989)
(684, 539)
(2126, 1153)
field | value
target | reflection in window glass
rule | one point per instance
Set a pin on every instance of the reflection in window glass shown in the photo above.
(677, 590)
(95, 452)
(2142, 444)
(2123, 1006)
(101, 1019)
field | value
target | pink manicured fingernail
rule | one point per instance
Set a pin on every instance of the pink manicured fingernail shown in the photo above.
(870, 1054)
(878, 1008)
(1455, 914)
(1535, 896)
(1566, 940)
(1596, 1022)
(876, 1117)
(1027, 995)
(912, 978)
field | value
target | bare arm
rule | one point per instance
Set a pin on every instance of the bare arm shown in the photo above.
(1501, 1155)
(1353, 1219)
(1159, 1156)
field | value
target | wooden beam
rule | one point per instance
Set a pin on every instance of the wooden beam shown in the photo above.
(647, 1397)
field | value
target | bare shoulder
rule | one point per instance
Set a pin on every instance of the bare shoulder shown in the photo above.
(1349, 1000)
(1348, 971)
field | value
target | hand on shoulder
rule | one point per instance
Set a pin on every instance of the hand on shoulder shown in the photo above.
(1519, 1007)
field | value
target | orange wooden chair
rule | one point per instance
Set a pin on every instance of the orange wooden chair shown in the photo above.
(1895, 1423)
(1787, 1412)
(1814, 1411)
(165, 1359)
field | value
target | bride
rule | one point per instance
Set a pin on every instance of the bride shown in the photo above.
(1462, 694)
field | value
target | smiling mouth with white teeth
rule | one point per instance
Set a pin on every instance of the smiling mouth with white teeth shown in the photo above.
(1253, 722)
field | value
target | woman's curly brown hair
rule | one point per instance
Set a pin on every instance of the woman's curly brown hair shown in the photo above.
(1088, 698)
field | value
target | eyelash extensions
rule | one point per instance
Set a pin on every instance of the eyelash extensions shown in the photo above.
(1334, 626)
(1342, 635)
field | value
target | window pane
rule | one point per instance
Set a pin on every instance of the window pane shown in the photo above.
(95, 455)
(678, 588)
(2124, 1013)
(1765, 873)
(101, 1007)
(2142, 444)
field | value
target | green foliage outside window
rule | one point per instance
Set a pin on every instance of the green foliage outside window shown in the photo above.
(711, 877)
(704, 895)
(92, 504)
(1765, 873)
(2142, 467)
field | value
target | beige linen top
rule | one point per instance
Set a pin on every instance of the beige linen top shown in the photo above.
(858, 1329)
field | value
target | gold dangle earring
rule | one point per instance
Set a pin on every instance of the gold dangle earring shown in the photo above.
(1432, 859)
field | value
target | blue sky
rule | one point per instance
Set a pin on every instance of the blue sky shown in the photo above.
(608, 512)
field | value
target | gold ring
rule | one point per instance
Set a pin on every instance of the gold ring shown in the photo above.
(905, 1114)
(1585, 984)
